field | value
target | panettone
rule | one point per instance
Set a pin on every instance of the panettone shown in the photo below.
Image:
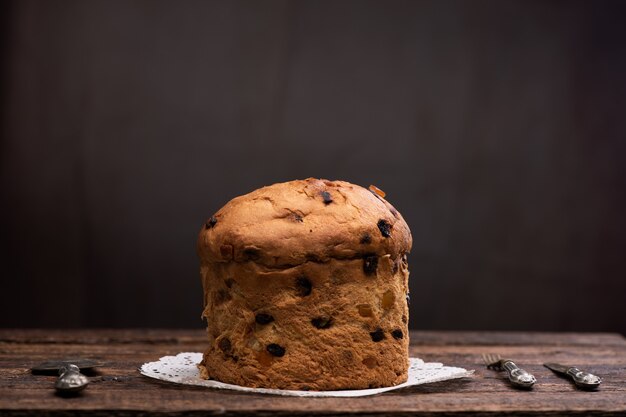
(306, 287)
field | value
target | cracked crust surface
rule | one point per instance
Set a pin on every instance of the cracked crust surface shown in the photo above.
(297, 221)
(305, 287)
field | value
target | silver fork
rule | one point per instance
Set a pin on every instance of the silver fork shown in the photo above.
(518, 377)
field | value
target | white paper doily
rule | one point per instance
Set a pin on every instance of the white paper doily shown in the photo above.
(182, 369)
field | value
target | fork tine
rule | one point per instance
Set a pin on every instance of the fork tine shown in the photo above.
(490, 359)
(486, 358)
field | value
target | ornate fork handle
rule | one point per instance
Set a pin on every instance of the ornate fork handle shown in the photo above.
(517, 375)
(584, 379)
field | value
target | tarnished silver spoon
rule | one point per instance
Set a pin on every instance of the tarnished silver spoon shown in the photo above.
(70, 380)
(582, 379)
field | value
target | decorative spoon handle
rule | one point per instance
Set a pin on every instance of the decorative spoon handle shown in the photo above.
(70, 380)
(584, 379)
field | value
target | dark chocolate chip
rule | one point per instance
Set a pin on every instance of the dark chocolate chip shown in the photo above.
(263, 318)
(322, 322)
(222, 296)
(251, 254)
(224, 345)
(408, 299)
(210, 223)
(327, 197)
(384, 227)
(296, 217)
(370, 263)
(227, 252)
(303, 286)
(377, 335)
(366, 239)
(275, 350)
(397, 334)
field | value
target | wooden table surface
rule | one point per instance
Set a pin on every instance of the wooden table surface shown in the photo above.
(118, 388)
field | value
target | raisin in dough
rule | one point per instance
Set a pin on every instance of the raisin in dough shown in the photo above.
(305, 287)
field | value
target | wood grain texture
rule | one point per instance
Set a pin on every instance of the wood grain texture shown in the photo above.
(118, 388)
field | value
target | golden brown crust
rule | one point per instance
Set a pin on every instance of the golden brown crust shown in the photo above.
(302, 292)
(290, 223)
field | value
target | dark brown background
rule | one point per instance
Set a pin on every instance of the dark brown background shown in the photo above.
(497, 128)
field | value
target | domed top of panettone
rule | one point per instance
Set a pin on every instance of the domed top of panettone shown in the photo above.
(300, 221)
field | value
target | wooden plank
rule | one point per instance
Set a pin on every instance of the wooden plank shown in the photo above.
(118, 389)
